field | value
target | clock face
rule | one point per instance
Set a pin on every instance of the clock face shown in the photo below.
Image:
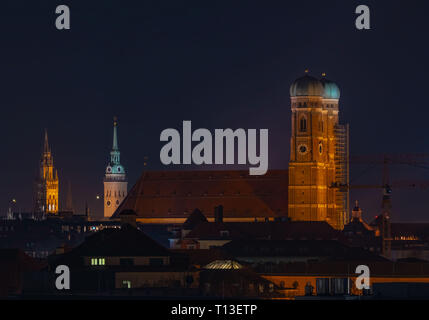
(109, 169)
(302, 149)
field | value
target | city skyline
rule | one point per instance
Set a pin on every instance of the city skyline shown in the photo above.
(214, 158)
(228, 72)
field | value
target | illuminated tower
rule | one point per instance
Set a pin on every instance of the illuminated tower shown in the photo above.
(46, 197)
(115, 183)
(318, 170)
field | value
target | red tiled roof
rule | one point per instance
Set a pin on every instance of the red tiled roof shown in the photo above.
(175, 194)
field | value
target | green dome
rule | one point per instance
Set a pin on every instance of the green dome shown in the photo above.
(330, 89)
(306, 86)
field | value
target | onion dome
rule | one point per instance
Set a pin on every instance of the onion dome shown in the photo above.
(306, 86)
(330, 89)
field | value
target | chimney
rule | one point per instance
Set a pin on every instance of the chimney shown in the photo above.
(128, 217)
(218, 214)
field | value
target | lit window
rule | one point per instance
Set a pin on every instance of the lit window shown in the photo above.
(126, 284)
(94, 261)
(101, 261)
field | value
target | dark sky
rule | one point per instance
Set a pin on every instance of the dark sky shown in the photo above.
(218, 63)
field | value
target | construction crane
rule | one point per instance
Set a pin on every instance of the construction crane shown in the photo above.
(420, 160)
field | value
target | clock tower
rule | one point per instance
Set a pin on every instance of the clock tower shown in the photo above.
(115, 181)
(318, 154)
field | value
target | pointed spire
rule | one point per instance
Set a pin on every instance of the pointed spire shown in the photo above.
(46, 145)
(115, 135)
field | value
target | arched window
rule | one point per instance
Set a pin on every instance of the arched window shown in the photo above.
(303, 124)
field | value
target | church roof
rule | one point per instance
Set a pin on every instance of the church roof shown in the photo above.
(175, 194)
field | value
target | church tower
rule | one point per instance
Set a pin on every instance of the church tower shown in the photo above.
(318, 167)
(46, 197)
(115, 183)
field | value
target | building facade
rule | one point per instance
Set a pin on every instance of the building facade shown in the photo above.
(47, 187)
(115, 181)
(318, 154)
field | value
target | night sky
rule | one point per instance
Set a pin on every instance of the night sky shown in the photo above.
(221, 64)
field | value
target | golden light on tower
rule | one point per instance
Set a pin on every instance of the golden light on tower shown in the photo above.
(316, 152)
(46, 200)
